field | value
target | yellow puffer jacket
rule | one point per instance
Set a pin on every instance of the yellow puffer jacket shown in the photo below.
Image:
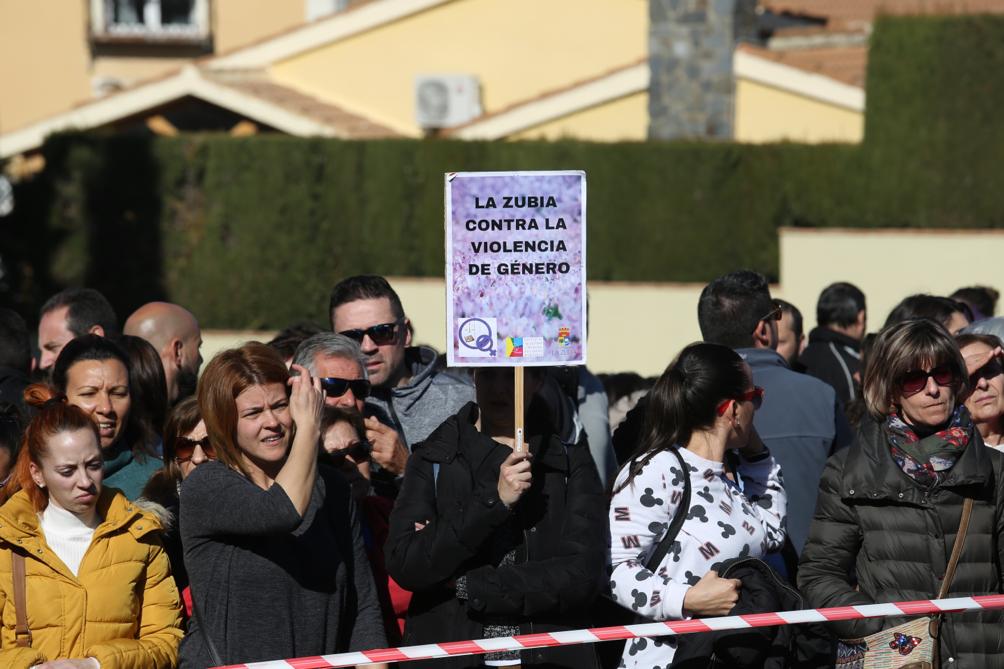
(122, 608)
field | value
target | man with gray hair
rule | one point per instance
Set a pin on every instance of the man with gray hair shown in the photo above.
(340, 364)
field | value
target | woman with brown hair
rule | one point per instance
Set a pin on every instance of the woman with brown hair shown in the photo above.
(272, 543)
(186, 446)
(84, 581)
(916, 485)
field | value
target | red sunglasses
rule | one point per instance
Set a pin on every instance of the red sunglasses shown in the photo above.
(915, 380)
(754, 395)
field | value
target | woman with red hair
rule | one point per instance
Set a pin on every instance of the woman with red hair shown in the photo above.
(84, 580)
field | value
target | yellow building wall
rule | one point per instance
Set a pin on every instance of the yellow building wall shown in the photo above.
(624, 119)
(241, 22)
(767, 114)
(518, 48)
(235, 23)
(46, 66)
(43, 59)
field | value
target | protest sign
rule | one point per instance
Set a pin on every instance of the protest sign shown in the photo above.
(516, 268)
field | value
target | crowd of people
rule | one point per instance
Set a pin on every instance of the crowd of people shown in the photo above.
(337, 488)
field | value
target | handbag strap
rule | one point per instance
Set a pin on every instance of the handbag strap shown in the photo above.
(934, 628)
(655, 559)
(22, 634)
(960, 540)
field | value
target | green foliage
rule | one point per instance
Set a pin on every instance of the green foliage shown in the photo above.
(254, 232)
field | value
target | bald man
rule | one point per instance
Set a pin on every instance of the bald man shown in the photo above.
(174, 332)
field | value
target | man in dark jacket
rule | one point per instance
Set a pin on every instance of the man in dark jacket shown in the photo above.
(834, 351)
(800, 420)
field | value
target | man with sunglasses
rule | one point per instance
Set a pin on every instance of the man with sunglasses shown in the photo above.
(801, 421)
(407, 394)
(341, 367)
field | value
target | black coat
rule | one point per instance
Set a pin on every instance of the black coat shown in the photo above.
(875, 522)
(834, 358)
(563, 522)
(778, 647)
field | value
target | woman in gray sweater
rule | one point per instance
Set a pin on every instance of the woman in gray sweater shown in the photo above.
(272, 543)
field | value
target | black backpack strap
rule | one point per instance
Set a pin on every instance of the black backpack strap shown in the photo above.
(654, 560)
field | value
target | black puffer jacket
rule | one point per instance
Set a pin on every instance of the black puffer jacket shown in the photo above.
(874, 521)
(562, 520)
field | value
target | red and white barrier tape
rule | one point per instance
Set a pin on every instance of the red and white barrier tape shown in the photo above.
(524, 641)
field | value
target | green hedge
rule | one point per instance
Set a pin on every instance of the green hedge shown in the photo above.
(254, 232)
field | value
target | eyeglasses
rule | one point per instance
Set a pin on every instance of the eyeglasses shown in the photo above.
(184, 449)
(381, 334)
(915, 380)
(774, 314)
(987, 371)
(336, 387)
(754, 395)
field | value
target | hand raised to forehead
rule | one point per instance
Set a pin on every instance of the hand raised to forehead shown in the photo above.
(976, 359)
(306, 401)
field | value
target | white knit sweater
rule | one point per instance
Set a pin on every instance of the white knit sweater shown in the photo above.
(67, 535)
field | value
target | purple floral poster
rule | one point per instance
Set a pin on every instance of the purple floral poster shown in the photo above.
(516, 268)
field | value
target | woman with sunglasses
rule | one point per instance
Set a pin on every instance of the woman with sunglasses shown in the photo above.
(700, 414)
(186, 446)
(344, 447)
(272, 542)
(890, 505)
(984, 355)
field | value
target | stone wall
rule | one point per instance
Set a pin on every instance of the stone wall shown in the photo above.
(691, 42)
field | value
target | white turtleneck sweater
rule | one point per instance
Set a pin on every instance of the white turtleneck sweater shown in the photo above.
(66, 534)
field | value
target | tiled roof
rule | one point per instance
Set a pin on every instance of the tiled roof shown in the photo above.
(843, 63)
(345, 123)
(867, 10)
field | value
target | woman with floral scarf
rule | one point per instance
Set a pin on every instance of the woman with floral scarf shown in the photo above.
(890, 505)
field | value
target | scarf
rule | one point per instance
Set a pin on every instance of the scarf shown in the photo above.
(927, 460)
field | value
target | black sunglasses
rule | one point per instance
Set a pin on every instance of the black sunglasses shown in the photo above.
(774, 314)
(987, 371)
(336, 387)
(358, 451)
(381, 334)
(915, 380)
(184, 448)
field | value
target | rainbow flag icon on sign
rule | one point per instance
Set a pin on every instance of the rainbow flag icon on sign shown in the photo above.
(514, 347)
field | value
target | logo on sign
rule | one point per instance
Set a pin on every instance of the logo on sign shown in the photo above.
(564, 337)
(477, 337)
(514, 347)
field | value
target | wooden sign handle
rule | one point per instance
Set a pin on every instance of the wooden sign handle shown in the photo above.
(518, 404)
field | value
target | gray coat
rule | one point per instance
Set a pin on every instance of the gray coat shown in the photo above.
(428, 399)
(268, 584)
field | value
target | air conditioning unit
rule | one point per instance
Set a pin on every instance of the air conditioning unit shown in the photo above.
(446, 100)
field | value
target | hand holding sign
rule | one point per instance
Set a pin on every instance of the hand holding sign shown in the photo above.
(515, 477)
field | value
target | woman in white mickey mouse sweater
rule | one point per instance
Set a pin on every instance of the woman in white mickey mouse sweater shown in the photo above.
(703, 406)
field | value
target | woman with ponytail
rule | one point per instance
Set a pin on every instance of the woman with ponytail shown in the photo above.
(84, 580)
(702, 408)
